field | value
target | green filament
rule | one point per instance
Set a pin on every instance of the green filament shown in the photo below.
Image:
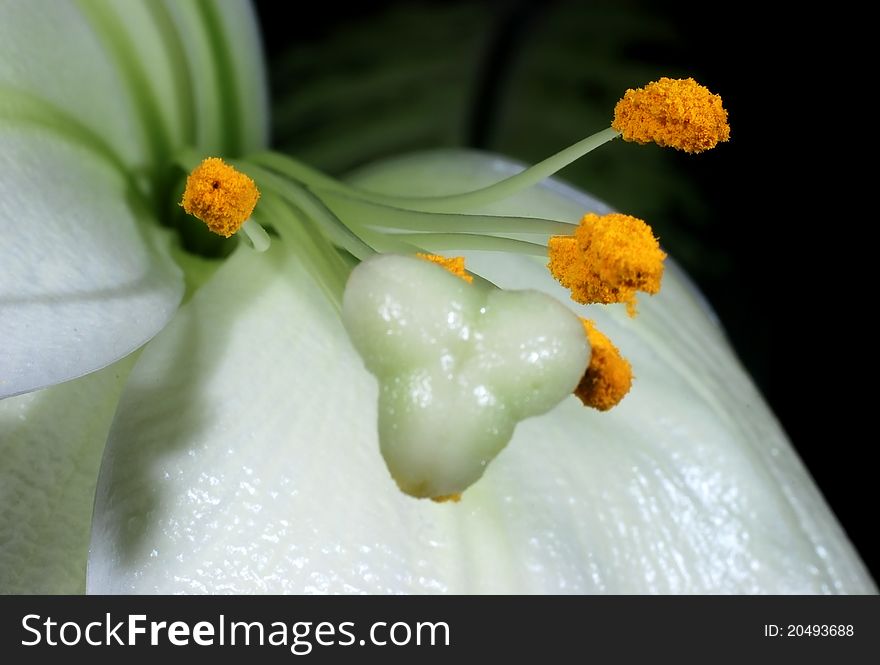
(450, 203)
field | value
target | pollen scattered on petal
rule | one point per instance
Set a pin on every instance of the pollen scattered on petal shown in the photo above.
(608, 377)
(607, 260)
(222, 197)
(455, 265)
(454, 498)
(679, 113)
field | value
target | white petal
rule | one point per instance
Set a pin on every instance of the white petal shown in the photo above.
(56, 59)
(83, 281)
(50, 451)
(244, 459)
(50, 51)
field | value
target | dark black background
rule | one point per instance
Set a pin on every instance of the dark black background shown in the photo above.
(774, 243)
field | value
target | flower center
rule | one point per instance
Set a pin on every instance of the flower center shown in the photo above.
(460, 361)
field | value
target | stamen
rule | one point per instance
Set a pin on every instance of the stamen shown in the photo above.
(220, 196)
(450, 203)
(679, 113)
(609, 375)
(455, 265)
(257, 235)
(459, 366)
(607, 260)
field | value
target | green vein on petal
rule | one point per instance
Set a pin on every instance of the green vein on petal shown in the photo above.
(234, 31)
(239, 34)
(209, 128)
(20, 108)
(181, 72)
(227, 85)
(49, 51)
(138, 58)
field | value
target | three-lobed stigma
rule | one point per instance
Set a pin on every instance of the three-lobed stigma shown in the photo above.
(458, 366)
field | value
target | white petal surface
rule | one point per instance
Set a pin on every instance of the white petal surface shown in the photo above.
(244, 458)
(49, 50)
(50, 450)
(83, 282)
(59, 57)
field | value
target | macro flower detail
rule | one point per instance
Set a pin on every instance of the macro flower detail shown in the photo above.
(146, 466)
(607, 260)
(220, 196)
(458, 368)
(454, 264)
(608, 377)
(666, 493)
(678, 113)
(95, 97)
(87, 274)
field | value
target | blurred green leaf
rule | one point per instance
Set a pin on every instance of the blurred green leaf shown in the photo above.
(400, 81)
(522, 79)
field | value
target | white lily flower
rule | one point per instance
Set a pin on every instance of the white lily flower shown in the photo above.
(92, 102)
(244, 457)
(688, 486)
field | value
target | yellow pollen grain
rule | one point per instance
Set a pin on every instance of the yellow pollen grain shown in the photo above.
(455, 265)
(609, 375)
(607, 260)
(220, 196)
(679, 113)
(454, 498)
